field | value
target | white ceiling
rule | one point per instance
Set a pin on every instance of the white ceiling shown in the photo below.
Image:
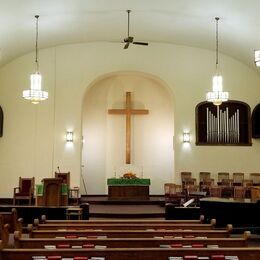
(185, 22)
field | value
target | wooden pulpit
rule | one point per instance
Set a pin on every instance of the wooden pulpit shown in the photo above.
(51, 191)
(54, 193)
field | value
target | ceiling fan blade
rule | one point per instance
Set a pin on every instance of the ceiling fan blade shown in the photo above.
(126, 45)
(141, 43)
(129, 39)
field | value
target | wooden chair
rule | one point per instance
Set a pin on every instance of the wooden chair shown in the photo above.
(248, 184)
(215, 191)
(167, 191)
(187, 180)
(74, 196)
(239, 192)
(255, 177)
(222, 176)
(173, 193)
(65, 176)
(204, 176)
(238, 178)
(205, 181)
(25, 190)
(185, 176)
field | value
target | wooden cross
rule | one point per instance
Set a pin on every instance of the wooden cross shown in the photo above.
(128, 111)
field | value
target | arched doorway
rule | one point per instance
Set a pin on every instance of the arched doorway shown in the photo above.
(103, 152)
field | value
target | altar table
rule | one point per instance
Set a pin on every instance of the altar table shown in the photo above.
(128, 189)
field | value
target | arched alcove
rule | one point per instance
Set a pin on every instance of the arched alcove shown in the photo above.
(103, 152)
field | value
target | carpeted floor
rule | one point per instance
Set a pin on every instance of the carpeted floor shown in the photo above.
(144, 209)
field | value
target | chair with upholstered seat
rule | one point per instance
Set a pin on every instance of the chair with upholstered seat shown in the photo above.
(25, 190)
(223, 177)
(215, 191)
(239, 192)
(205, 181)
(238, 178)
(173, 193)
(255, 177)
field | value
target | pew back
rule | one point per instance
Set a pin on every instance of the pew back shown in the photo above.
(133, 226)
(21, 242)
(11, 218)
(128, 233)
(245, 253)
(122, 221)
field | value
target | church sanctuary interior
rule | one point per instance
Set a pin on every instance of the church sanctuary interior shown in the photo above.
(129, 130)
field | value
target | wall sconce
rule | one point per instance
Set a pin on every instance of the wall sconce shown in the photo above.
(69, 136)
(186, 137)
(257, 58)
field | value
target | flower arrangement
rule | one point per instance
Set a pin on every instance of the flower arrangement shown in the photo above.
(129, 175)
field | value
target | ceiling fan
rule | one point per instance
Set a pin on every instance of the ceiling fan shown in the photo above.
(130, 39)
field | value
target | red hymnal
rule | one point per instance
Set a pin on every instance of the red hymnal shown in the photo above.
(176, 245)
(88, 246)
(63, 246)
(217, 257)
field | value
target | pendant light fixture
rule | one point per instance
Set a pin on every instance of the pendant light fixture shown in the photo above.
(35, 94)
(217, 96)
(257, 58)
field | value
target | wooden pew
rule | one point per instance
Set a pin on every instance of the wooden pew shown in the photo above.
(11, 218)
(4, 231)
(243, 253)
(21, 242)
(44, 220)
(123, 226)
(129, 233)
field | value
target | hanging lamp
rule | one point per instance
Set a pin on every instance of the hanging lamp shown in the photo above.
(35, 94)
(217, 96)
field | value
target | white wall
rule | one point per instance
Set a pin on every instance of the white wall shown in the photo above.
(151, 135)
(33, 142)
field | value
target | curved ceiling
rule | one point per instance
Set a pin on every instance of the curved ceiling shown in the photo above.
(185, 22)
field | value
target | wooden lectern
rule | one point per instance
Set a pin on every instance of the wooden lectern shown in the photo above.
(53, 194)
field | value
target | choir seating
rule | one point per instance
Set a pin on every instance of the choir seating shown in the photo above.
(215, 191)
(255, 177)
(226, 184)
(25, 191)
(239, 192)
(222, 177)
(238, 178)
(173, 193)
(205, 181)
(187, 179)
(204, 176)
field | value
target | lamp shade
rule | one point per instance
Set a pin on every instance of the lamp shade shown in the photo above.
(35, 93)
